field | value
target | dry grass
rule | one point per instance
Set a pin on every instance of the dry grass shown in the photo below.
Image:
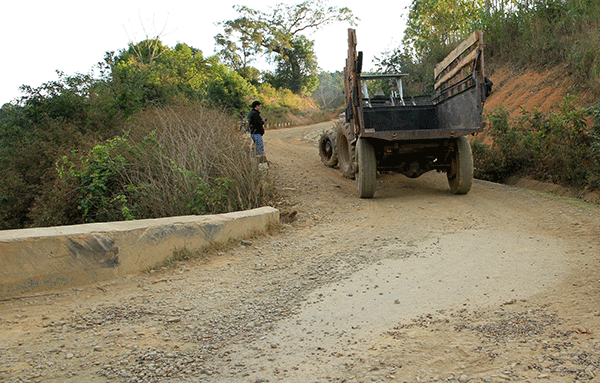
(196, 162)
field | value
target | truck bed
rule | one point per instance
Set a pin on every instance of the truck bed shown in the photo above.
(423, 118)
(390, 118)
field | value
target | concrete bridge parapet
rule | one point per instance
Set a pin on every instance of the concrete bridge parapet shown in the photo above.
(41, 259)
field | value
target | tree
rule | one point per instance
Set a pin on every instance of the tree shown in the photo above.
(150, 72)
(229, 90)
(399, 60)
(279, 32)
(433, 25)
(296, 67)
(240, 42)
(330, 92)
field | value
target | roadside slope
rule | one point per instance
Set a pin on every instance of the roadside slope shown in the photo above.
(517, 90)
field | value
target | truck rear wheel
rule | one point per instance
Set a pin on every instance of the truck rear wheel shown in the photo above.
(367, 169)
(346, 153)
(460, 175)
(327, 148)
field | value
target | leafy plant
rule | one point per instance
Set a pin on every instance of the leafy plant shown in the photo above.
(102, 193)
(554, 146)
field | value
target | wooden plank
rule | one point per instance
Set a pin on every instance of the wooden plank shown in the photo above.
(464, 62)
(467, 43)
(481, 62)
(352, 81)
(350, 63)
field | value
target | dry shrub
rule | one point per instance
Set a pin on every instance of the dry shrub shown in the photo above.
(195, 161)
(184, 160)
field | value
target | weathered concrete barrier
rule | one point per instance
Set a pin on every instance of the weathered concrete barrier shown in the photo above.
(34, 260)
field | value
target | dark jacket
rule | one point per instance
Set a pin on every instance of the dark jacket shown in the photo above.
(256, 122)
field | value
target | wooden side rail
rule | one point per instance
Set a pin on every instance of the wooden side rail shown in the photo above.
(457, 65)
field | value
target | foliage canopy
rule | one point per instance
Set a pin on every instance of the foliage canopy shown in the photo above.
(151, 73)
(279, 33)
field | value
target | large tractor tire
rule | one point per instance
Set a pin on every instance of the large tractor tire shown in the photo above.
(367, 169)
(460, 175)
(327, 148)
(345, 151)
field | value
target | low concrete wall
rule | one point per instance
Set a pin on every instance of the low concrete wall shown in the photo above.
(34, 260)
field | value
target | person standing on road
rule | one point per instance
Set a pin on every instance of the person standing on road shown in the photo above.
(257, 129)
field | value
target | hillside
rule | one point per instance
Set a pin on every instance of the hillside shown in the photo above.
(516, 90)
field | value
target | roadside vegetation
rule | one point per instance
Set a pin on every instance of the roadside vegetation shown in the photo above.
(154, 130)
(560, 146)
(157, 131)
(141, 141)
(169, 162)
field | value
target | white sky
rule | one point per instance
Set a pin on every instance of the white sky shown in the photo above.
(42, 36)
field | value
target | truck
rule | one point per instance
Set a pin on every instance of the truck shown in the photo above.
(385, 130)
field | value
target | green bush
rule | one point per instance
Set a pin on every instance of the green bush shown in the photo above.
(595, 146)
(101, 193)
(229, 90)
(174, 161)
(74, 114)
(556, 146)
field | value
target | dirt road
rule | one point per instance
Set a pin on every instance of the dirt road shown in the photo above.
(414, 285)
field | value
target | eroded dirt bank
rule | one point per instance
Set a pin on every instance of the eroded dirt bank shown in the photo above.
(415, 285)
